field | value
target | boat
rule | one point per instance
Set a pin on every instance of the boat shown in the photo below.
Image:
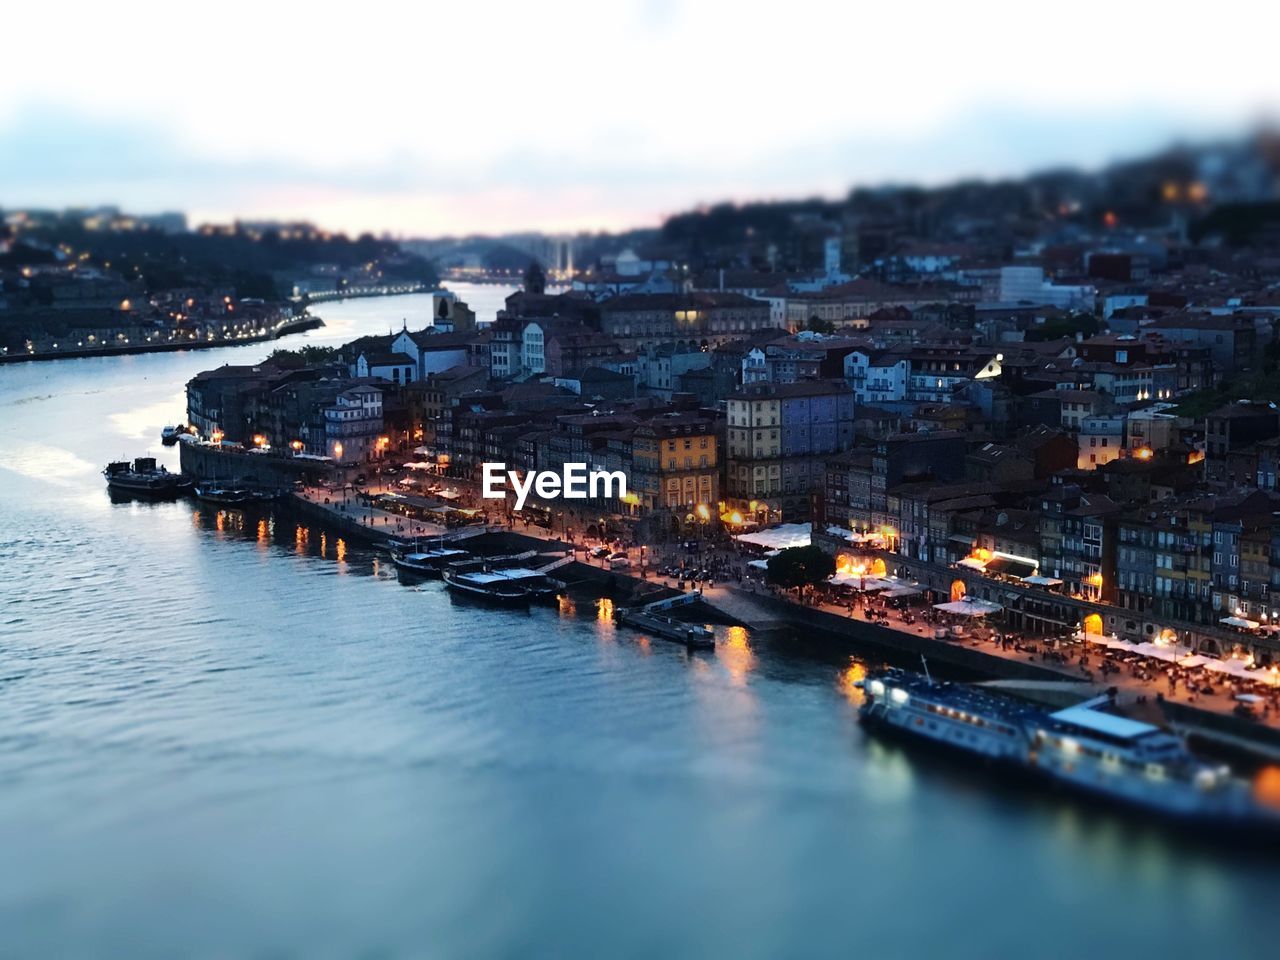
(1083, 748)
(695, 636)
(513, 586)
(426, 563)
(224, 496)
(143, 478)
(169, 435)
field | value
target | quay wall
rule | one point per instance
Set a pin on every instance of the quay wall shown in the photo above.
(1220, 728)
(212, 463)
(621, 586)
(348, 526)
(863, 632)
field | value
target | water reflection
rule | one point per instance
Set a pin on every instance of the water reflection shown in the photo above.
(734, 651)
(850, 681)
(46, 463)
(144, 423)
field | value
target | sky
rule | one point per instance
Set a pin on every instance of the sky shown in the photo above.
(426, 119)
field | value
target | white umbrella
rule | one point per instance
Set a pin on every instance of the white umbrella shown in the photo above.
(1240, 622)
(969, 608)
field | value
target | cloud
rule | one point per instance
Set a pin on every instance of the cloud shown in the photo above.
(432, 119)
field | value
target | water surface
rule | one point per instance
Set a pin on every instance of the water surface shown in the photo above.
(222, 734)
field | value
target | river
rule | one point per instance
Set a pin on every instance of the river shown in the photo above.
(222, 734)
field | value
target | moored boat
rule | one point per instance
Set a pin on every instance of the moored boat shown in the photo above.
(426, 563)
(491, 586)
(143, 478)
(224, 496)
(1083, 748)
(170, 434)
(513, 586)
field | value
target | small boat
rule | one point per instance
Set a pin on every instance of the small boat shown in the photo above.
(169, 435)
(224, 496)
(143, 478)
(513, 586)
(427, 563)
(491, 587)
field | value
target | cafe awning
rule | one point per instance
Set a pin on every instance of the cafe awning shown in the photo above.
(969, 608)
(1235, 668)
(1242, 622)
(1043, 581)
(781, 537)
(973, 563)
(1010, 567)
(1158, 652)
(902, 591)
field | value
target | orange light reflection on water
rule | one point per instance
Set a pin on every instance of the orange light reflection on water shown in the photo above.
(735, 653)
(849, 679)
(1266, 787)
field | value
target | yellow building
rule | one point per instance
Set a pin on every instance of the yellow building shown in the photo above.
(676, 464)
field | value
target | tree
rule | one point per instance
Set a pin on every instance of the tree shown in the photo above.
(800, 566)
(308, 356)
(818, 325)
(535, 281)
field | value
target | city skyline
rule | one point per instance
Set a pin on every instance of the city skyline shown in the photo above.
(373, 129)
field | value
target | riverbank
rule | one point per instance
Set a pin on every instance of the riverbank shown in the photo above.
(1219, 729)
(285, 329)
(768, 613)
(357, 293)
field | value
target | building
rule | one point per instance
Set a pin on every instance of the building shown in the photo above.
(676, 466)
(697, 320)
(778, 439)
(1232, 340)
(354, 425)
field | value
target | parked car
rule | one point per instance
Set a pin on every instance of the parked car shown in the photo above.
(598, 552)
(619, 563)
(618, 555)
(360, 480)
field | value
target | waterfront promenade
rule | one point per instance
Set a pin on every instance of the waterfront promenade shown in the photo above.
(994, 649)
(1144, 691)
